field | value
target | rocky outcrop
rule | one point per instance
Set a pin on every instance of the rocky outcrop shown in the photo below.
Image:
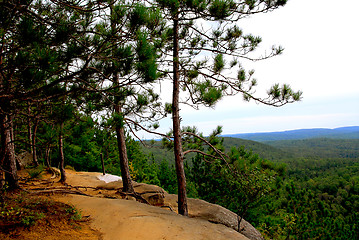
(156, 196)
(152, 194)
(216, 214)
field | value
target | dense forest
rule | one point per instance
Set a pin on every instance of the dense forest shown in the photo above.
(78, 79)
(315, 193)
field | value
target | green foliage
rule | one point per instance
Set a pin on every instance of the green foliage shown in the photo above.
(218, 63)
(138, 16)
(118, 119)
(81, 149)
(296, 198)
(73, 213)
(237, 185)
(125, 53)
(209, 94)
(312, 214)
(143, 170)
(63, 112)
(319, 148)
(168, 108)
(220, 9)
(167, 177)
(147, 60)
(36, 171)
(25, 210)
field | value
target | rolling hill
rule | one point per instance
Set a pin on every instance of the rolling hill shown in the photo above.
(336, 133)
(277, 151)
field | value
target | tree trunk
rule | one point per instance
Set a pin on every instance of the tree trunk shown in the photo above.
(61, 154)
(7, 151)
(47, 156)
(7, 145)
(121, 142)
(34, 156)
(103, 164)
(178, 152)
(29, 128)
(120, 132)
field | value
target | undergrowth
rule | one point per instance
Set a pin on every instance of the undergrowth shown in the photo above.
(35, 172)
(20, 209)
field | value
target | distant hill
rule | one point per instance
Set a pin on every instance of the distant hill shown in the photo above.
(319, 148)
(303, 148)
(337, 133)
(277, 151)
(158, 153)
(263, 150)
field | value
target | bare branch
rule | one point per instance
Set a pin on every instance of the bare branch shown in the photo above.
(149, 131)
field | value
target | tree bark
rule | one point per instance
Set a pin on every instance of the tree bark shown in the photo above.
(29, 128)
(178, 152)
(34, 156)
(121, 142)
(61, 154)
(103, 165)
(47, 156)
(7, 151)
(7, 146)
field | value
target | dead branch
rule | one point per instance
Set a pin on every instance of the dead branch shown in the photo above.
(149, 131)
(220, 153)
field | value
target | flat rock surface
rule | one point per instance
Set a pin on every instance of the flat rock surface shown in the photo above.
(128, 219)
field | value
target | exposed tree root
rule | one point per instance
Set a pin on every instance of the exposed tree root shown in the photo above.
(169, 207)
(136, 195)
(55, 191)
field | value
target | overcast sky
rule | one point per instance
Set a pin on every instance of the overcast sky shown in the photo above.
(321, 42)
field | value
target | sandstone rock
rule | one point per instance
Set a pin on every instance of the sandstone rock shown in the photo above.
(116, 185)
(154, 195)
(216, 214)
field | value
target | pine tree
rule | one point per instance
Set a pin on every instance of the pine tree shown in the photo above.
(42, 53)
(124, 69)
(201, 37)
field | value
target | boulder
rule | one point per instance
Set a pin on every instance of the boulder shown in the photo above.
(153, 194)
(25, 159)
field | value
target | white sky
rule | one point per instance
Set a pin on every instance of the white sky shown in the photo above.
(321, 41)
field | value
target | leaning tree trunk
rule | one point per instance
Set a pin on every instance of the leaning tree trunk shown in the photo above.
(178, 152)
(61, 154)
(121, 142)
(7, 151)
